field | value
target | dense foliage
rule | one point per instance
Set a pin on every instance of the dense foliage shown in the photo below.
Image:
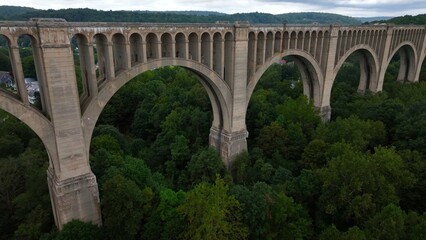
(91, 15)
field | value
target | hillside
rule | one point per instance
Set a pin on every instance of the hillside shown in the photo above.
(408, 19)
(91, 15)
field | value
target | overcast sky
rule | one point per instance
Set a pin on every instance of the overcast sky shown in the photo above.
(355, 8)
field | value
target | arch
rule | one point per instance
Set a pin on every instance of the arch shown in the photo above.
(218, 91)
(7, 72)
(39, 74)
(194, 47)
(312, 76)
(319, 47)
(286, 41)
(206, 49)
(229, 58)
(103, 62)
(119, 52)
(408, 61)
(306, 41)
(260, 49)
(180, 40)
(152, 48)
(136, 49)
(218, 53)
(299, 40)
(269, 45)
(85, 65)
(369, 67)
(277, 42)
(38, 123)
(251, 55)
(313, 43)
(166, 45)
(292, 40)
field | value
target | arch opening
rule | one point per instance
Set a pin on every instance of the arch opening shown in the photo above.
(181, 51)
(7, 81)
(194, 47)
(24, 190)
(103, 64)
(84, 63)
(206, 49)
(119, 52)
(152, 46)
(136, 49)
(289, 83)
(166, 46)
(357, 74)
(400, 68)
(152, 113)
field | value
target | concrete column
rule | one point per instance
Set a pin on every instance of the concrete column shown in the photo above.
(44, 93)
(109, 62)
(421, 57)
(18, 73)
(89, 62)
(144, 55)
(364, 74)
(232, 141)
(325, 108)
(72, 185)
(383, 60)
(128, 56)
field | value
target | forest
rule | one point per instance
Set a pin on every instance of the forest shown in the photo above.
(360, 176)
(11, 13)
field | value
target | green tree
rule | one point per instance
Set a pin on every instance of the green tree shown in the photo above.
(166, 222)
(211, 213)
(387, 224)
(79, 230)
(362, 135)
(124, 205)
(205, 166)
(355, 186)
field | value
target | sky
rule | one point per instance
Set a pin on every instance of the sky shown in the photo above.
(354, 8)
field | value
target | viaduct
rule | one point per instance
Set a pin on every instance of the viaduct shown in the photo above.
(229, 60)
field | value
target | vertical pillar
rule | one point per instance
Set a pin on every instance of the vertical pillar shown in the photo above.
(72, 185)
(421, 55)
(18, 73)
(231, 141)
(109, 58)
(325, 108)
(378, 86)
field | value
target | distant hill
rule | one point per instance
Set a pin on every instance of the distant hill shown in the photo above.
(91, 15)
(408, 19)
(372, 19)
(11, 11)
(321, 18)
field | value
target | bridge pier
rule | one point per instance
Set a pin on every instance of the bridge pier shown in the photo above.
(228, 145)
(74, 198)
(72, 185)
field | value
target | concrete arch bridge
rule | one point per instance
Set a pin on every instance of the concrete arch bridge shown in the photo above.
(228, 58)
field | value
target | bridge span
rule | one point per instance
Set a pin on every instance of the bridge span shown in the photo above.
(229, 60)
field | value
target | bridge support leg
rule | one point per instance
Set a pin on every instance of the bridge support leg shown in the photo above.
(74, 198)
(325, 113)
(229, 145)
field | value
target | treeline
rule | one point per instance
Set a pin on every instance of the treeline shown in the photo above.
(91, 15)
(361, 176)
(406, 20)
